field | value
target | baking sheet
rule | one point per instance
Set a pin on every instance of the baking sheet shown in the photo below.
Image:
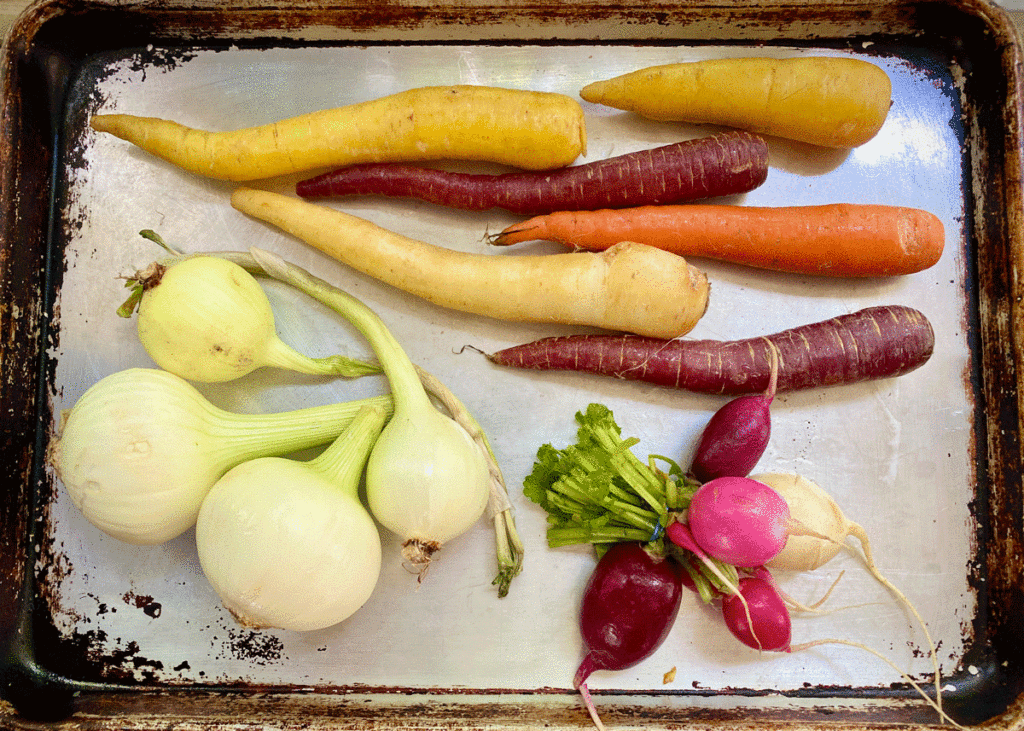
(899, 455)
(880, 448)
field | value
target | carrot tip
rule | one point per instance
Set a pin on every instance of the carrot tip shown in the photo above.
(498, 239)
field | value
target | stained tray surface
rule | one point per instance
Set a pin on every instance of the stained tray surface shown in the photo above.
(875, 446)
(898, 455)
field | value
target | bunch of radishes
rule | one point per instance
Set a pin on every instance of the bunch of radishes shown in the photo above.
(720, 538)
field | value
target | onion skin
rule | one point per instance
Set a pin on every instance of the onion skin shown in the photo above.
(284, 548)
(112, 448)
(426, 481)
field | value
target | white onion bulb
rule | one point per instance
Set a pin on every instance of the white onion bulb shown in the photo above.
(287, 544)
(141, 448)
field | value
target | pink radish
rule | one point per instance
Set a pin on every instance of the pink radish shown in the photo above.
(737, 434)
(741, 521)
(628, 608)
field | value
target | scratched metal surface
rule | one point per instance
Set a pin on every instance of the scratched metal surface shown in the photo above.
(897, 454)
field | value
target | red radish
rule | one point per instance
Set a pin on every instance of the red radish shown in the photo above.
(877, 342)
(762, 621)
(720, 165)
(628, 608)
(741, 521)
(737, 434)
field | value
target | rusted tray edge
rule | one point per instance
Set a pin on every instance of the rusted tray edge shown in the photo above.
(28, 143)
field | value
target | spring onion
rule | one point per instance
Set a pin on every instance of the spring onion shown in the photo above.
(509, 547)
(207, 319)
(426, 479)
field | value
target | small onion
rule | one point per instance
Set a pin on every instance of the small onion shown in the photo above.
(427, 480)
(287, 544)
(207, 319)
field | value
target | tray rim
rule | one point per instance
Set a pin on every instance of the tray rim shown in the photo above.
(24, 388)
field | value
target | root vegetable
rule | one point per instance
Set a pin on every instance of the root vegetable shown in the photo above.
(758, 616)
(873, 343)
(720, 165)
(712, 576)
(833, 102)
(631, 287)
(737, 434)
(836, 240)
(628, 607)
(207, 319)
(509, 546)
(815, 509)
(741, 521)
(528, 129)
(427, 480)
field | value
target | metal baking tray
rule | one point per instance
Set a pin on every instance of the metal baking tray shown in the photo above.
(98, 634)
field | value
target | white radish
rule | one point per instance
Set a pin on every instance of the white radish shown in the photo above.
(816, 509)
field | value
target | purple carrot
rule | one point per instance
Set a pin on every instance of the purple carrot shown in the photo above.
(877, 342)
(720, 165)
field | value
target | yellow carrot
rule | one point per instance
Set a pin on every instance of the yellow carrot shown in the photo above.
(832, 102)
(630, 287)
(527, 129)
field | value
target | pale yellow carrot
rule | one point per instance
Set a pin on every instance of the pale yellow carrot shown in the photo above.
(829, 101)
(532, 130)
(630, 287)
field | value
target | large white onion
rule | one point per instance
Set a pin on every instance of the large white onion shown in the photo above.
(141, 448)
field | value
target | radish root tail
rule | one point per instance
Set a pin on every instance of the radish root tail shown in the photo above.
(591, 709)
(861, 535)
(928, 699)
(813, 608)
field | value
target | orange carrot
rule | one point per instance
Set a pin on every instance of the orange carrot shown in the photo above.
(839, 240)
